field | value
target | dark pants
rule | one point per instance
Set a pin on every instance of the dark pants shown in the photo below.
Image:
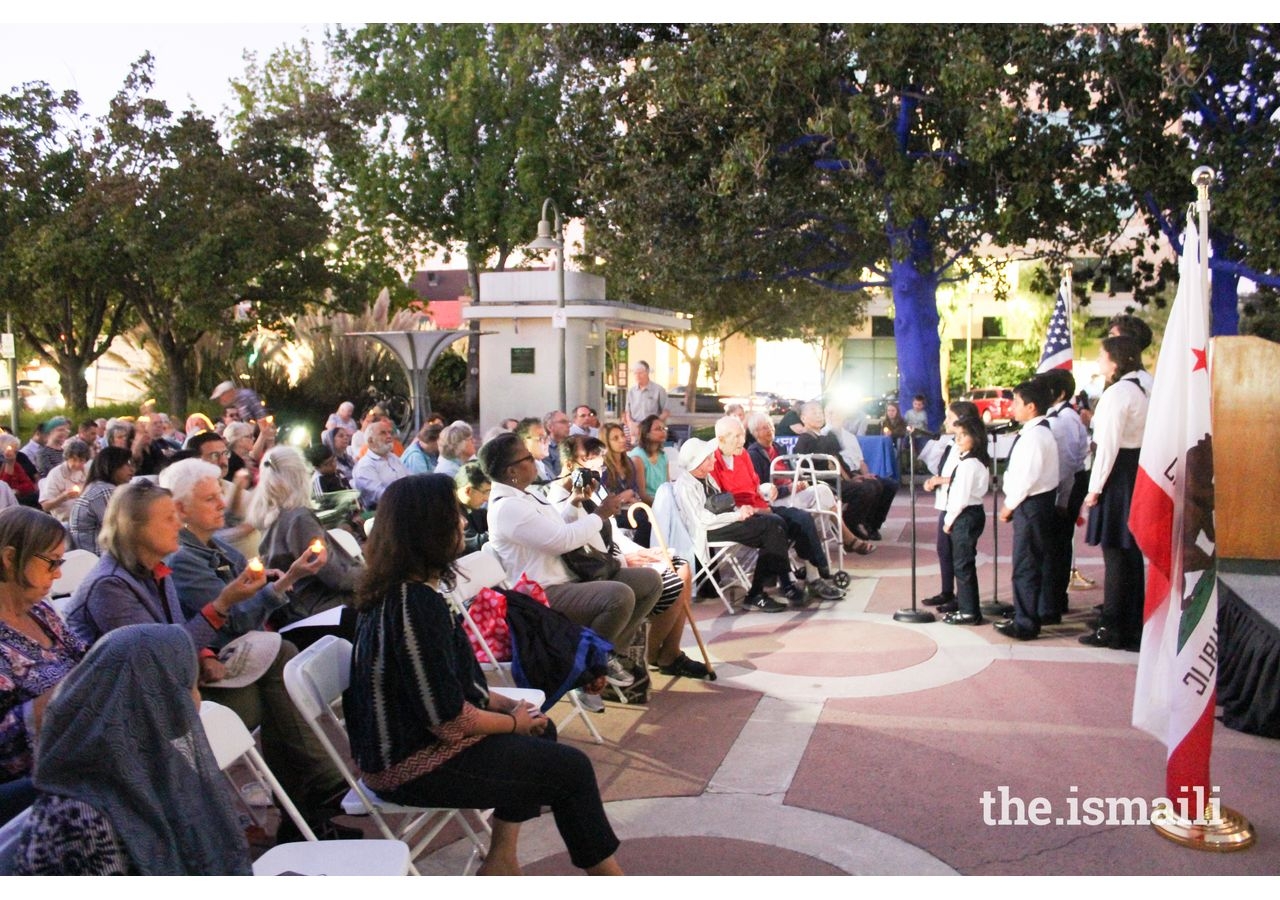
(946, 568)
(1032, 531)
(965, 531)
(1058, 563)
(517, 776)
(1123, 593)
(866, 500)
(768, 534)
(802, 533)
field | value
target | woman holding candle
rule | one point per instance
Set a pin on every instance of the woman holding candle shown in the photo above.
(60, 488)
(281, 510)
(203, 568)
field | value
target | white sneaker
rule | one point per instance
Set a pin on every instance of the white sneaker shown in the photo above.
(616, 673)
(590, 702)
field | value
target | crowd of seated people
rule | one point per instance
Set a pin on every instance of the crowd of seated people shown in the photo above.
(144, 633)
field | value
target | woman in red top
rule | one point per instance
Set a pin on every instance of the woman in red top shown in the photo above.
(735, 473)
(15, 474)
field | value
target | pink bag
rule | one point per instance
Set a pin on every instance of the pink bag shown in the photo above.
(531, 588)
(489, 612)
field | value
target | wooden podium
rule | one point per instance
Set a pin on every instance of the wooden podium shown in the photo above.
(1246, 469)
(1246, 447)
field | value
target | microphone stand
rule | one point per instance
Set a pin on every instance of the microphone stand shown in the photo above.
(994, 607)
(914, 615)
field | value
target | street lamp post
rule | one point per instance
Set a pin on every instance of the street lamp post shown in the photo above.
(552, 238)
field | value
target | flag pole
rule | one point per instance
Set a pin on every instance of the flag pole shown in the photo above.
(1076, 580)
(1212, 826)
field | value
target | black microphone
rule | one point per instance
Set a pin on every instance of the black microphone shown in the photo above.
(924, 432)
(1006, 428)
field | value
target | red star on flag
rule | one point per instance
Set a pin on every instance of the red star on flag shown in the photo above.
(1202, 361)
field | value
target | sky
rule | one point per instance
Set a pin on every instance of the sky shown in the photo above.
(194, 60)
(193, 63)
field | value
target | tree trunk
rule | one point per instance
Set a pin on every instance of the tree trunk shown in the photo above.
(473, 343)
(75, 388)
(1224, 301)
(179, 379)
(915, 323)
(691, 388)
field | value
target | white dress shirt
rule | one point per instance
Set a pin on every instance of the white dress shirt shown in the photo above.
(1033, 464)
(969, 482)
(529, 534)
(947, 470)
(1073, 446)
(1118, 423)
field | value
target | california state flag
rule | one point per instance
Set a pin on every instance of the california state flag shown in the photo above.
(1172, 519)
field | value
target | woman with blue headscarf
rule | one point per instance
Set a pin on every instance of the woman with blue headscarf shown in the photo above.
(126, 781)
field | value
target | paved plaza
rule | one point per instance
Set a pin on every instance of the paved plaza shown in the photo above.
(837, 740)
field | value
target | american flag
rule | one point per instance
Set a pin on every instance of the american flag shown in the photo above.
(1057, 343)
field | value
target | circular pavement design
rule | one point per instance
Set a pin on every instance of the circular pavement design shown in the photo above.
(829, 649)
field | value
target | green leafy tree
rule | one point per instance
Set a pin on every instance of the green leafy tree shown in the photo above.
(1181, 96)
(60, 265)
(464, 122)
(686, 198)
(857, 157)
(215, 238)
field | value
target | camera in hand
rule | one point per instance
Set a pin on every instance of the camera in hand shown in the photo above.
(584, 479)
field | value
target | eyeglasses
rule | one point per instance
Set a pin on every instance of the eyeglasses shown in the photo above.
(217, 455)
(520, 460)
(55, 565)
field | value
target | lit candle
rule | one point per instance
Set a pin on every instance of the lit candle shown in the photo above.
(317, 546)
(255, 566)
(75, 488)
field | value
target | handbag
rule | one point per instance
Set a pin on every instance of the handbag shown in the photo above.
(720, 502)
(589, 564)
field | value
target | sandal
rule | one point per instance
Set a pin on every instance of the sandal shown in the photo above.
(859, 546)
(684, 667)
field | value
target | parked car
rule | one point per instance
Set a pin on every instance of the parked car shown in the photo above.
(34, 395)
(761, 401)
(993, 403)
(706, 403)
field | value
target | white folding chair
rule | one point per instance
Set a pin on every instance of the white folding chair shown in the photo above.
(315, 680)
(347, 541)
(232, 742)
(484, 569)
(76, 566)
(336, 858)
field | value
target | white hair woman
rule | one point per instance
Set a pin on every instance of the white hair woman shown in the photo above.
(281, 510)
(204, 568)
(457, 446)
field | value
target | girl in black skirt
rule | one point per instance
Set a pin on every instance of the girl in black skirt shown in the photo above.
(1118, 424)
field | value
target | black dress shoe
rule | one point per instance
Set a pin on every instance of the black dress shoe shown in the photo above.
(938, 599)
(999, 609)
(874, 535)
(949, 607)
(959, 618)
(861, 531)
(1015, 631)
(1051, 619)
(1102, 637)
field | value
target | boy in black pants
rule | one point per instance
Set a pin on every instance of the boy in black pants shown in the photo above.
(1030, 488)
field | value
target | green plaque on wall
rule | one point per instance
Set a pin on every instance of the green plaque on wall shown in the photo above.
(521, 360)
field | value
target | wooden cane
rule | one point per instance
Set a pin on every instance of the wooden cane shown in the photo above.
(666, 554)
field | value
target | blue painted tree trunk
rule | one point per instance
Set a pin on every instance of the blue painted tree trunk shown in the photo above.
(1224, 306)
(915, 322)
